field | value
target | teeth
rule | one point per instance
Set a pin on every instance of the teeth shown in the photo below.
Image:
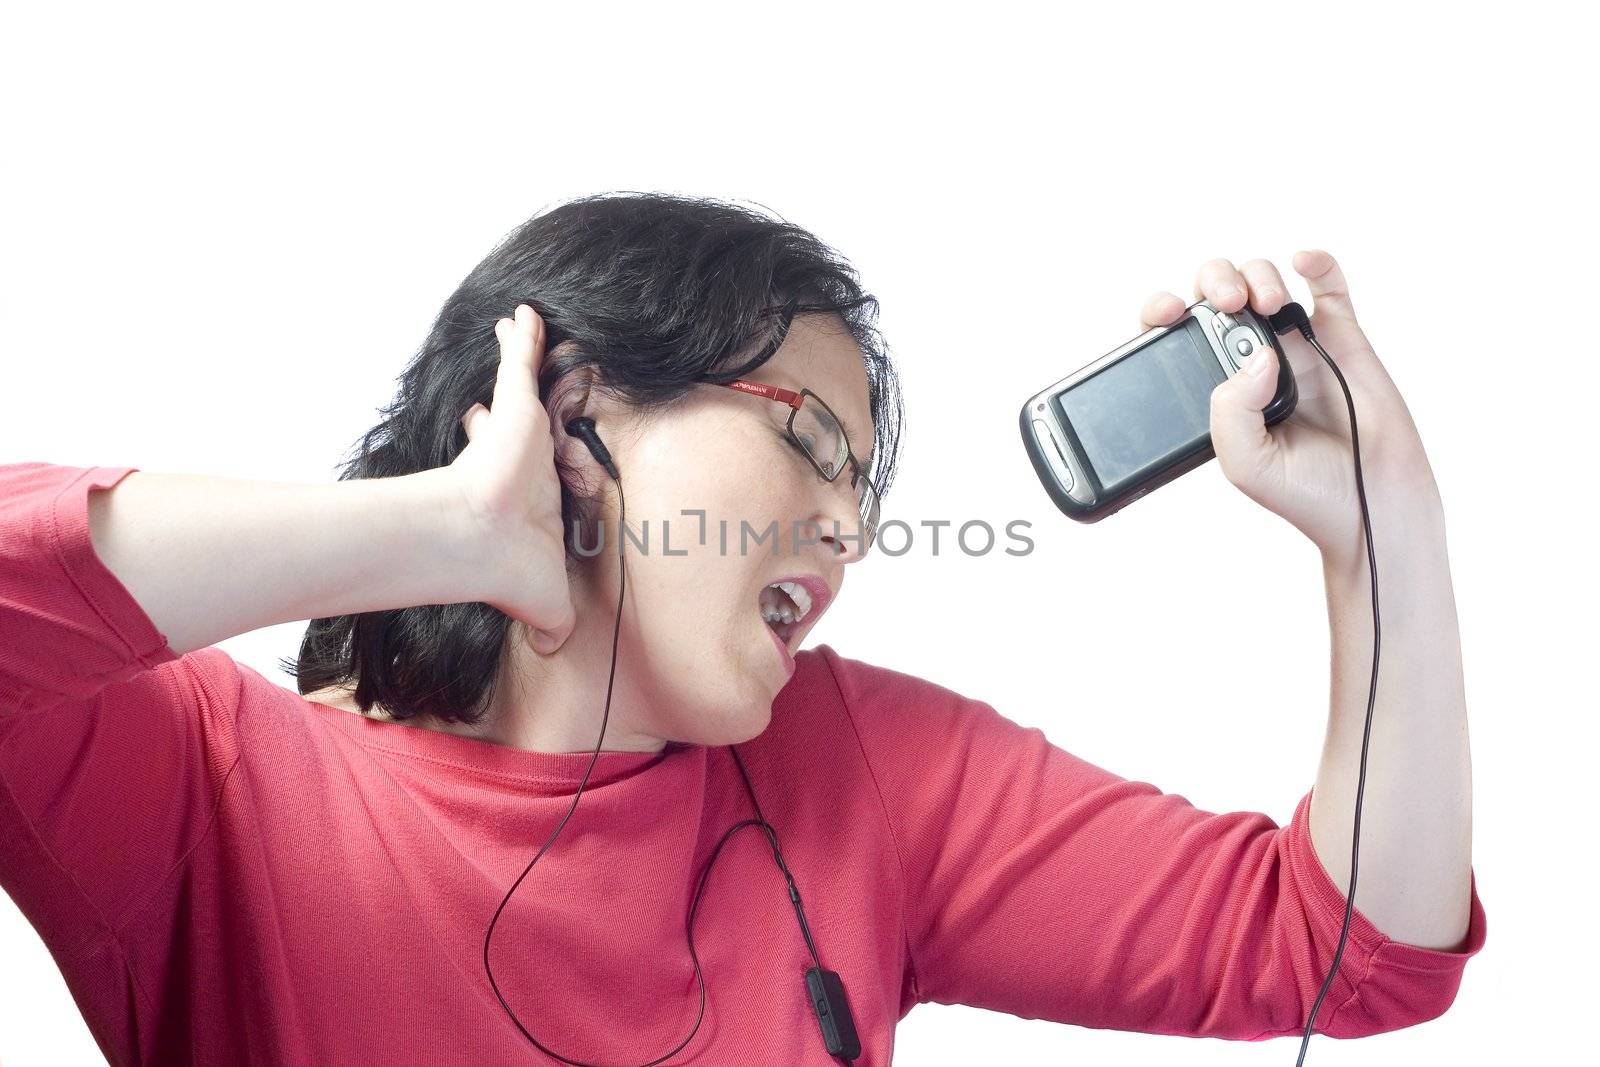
(798, 594)
(776, 610)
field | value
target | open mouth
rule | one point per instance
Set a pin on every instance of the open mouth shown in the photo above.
(785, 607)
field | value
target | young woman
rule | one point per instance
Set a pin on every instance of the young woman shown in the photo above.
(230, 872)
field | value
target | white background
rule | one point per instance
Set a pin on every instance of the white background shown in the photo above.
(224, 233)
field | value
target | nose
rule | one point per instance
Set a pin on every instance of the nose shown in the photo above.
(843, 531)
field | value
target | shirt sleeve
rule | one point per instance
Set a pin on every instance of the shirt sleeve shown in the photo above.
(1040, 885)
(113, 750)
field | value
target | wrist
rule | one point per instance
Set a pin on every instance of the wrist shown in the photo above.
(1408, 539)
(446, 541)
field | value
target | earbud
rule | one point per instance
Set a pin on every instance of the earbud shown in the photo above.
(583, 429)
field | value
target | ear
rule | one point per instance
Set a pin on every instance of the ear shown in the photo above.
(575, 394)
(569, 398)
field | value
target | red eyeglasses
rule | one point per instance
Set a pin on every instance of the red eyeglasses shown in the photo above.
(816, 430)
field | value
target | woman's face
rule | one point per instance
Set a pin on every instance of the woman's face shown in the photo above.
(696, 655)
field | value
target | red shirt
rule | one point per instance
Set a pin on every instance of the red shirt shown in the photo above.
(227, 872)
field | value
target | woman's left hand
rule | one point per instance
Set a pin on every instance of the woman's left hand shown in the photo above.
(1302, 467)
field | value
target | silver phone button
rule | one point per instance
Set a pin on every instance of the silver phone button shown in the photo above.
(1244, 346)
(1063, 471)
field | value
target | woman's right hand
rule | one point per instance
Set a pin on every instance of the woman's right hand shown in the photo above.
(507, 494)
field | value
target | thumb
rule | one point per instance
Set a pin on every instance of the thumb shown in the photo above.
(1238, 430)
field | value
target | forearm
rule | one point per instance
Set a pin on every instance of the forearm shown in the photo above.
(208, 558)
(1414, 876)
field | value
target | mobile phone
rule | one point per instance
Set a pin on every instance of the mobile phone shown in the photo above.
(1140, 415)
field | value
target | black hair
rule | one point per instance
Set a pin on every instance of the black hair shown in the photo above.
(656, 292)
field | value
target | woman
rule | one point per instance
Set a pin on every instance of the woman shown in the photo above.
(231, 872)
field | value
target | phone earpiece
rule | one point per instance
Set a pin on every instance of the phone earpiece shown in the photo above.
(583, 429)
(1289, 317)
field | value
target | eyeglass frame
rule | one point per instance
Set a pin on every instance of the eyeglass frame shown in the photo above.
(794, 399)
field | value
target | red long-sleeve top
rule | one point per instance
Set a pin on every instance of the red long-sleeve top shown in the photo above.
(229, 873)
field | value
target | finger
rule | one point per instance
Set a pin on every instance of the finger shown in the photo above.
(1221, 285)
(1268, 294)
(1162, 309)
(521, 349)
(1330, 295)
(1239, 436)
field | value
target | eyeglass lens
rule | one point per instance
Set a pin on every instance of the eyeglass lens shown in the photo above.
(822, 437)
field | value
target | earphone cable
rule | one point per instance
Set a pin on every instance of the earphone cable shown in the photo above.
(622, 587)
(759, 820)
(1296, 319)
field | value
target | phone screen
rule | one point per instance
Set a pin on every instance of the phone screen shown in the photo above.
(1145, 409)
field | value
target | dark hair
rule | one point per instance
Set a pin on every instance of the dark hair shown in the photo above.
(656, 293)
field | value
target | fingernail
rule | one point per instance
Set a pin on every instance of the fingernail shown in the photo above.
(1258, 362)
(1228, 291)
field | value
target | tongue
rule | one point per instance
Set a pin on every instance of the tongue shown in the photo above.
(772, 598)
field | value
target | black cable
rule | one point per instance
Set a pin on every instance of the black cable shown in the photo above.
(705, 873)
(1293, 316)
(622, 586)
